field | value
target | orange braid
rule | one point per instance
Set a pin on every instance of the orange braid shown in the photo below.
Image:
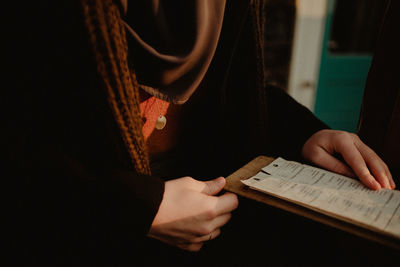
(107, 36)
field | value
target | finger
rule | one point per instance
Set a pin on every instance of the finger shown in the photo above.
(226, 203)
(214, 234)
(193, 247)
(354, 159)
(392, 183)
(220, 221)
(375, 164)
(215, 186)
(331, 163)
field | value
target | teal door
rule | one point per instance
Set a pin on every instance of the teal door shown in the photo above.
(350, 33)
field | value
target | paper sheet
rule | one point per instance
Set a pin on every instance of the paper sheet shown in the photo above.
(331, 194)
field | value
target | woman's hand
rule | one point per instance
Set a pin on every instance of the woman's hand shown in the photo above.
(359, 159)
(191, 213)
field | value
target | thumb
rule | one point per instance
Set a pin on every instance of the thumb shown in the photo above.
(215, 186)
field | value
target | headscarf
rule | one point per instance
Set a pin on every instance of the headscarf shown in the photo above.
(174, 42)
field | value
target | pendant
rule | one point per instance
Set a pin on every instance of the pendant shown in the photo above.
(161, 122)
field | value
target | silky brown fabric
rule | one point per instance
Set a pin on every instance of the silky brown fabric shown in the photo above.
(173, 49)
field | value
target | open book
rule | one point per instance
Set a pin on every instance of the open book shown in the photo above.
(298, 187)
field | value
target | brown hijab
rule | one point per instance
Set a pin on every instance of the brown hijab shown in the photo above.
(172, 43)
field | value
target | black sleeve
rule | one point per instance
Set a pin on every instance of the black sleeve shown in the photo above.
(59, 207)
(60, 201)
(290, 124)
(71, 189)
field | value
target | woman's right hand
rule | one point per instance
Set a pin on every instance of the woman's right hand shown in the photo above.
(191, 213)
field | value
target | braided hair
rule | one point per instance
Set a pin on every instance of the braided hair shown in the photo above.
(108, 40)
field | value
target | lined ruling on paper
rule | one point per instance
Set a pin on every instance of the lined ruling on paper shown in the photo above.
(331, 194)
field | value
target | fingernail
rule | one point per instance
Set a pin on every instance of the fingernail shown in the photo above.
(392, 184)
(377, 186)
(220, 180)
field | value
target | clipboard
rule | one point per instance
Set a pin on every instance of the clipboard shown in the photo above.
(234, 185)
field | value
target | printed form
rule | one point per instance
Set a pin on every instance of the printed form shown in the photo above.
(330, 193)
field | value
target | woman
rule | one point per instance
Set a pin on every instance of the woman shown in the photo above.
(94, 182)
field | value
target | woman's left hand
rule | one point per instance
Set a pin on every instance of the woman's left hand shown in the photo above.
(359, 160)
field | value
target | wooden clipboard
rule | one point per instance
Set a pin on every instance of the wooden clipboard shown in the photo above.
(234, 185)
